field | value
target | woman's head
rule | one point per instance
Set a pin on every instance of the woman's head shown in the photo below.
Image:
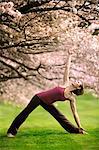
(78, 88)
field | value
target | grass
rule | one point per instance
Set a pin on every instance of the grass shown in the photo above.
(42, 132)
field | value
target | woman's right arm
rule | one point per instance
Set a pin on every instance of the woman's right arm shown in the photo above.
(75, 113)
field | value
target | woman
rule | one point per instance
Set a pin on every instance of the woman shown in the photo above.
(46, 100)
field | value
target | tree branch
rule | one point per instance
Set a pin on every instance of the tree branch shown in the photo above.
(26, 43)
(19, 63)
(11, 67)
(25, 9)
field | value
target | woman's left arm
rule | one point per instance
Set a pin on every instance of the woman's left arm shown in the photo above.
(67, 69)
(74, 111)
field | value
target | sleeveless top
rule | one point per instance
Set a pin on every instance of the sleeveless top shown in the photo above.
(52, 95)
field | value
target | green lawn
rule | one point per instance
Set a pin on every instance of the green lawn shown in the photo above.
(42, 132)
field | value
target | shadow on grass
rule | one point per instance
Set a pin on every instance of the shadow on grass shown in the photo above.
(44, 138)
(41, 132)
(35, 132)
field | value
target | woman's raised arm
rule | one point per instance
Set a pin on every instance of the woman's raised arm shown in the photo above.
(67, 69)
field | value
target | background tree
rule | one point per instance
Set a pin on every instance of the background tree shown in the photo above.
(34, 48)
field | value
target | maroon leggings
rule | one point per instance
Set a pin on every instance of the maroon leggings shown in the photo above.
(34, 103)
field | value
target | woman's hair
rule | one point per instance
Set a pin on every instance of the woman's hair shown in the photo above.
(79, 91)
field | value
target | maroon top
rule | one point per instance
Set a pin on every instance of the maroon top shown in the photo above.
(52, 95)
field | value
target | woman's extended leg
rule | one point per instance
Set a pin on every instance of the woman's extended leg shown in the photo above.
(35, 101)
(63, 121)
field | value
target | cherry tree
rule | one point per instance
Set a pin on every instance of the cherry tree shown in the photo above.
(35, 37)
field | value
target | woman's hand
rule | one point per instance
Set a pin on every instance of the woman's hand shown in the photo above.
(82, 131)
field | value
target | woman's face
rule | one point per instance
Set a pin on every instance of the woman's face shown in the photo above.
(78, 88)
(77, 84)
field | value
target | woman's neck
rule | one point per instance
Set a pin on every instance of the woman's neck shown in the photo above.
(69, 87)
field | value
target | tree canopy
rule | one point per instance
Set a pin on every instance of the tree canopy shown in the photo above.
(34, 47)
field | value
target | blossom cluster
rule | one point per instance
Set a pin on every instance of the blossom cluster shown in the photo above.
(8, 8)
